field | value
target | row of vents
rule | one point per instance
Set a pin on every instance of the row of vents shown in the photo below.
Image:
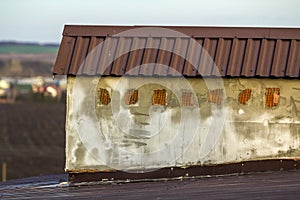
(159, 97)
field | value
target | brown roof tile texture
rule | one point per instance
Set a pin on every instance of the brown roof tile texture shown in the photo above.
(233, 52)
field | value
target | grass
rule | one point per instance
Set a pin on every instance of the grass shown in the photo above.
(27, 49)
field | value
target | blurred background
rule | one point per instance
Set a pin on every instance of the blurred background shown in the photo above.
(32, 111)
(32, 103)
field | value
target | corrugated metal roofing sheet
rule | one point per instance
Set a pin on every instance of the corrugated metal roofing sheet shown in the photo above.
(233, 52)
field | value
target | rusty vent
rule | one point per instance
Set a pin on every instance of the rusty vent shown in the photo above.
(248, 52)
(159, 97)
(187, 98)
(131, 97)
(244, 96)
(215, 96)
(272, 97)
(104, 96)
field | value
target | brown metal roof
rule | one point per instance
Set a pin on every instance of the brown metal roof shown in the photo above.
(248, 52)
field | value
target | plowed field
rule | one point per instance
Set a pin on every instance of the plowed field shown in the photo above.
(32, 138)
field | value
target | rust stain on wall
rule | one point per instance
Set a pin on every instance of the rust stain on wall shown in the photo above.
(104, 96)
(187, 98)
(272, 97)
(131, 97)
(215, 96)
(159, 97)
(244, 96)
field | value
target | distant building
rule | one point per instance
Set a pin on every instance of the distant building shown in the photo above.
(7, 91)
(145, 98)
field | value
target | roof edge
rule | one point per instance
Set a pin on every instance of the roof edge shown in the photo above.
(192, 31)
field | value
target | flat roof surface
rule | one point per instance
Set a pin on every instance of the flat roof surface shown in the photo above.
(269, 185)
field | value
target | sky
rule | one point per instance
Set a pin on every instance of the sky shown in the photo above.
(43, 20)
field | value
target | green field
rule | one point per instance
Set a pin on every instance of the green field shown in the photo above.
(27, 49)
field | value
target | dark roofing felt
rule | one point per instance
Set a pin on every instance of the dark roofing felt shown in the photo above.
(246, 52)
(272, 185)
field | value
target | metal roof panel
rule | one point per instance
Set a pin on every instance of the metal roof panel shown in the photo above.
(229, 51)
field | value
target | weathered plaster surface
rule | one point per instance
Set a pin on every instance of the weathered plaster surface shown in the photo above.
(142, 136)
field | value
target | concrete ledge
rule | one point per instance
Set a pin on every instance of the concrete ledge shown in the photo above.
(192, 171)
